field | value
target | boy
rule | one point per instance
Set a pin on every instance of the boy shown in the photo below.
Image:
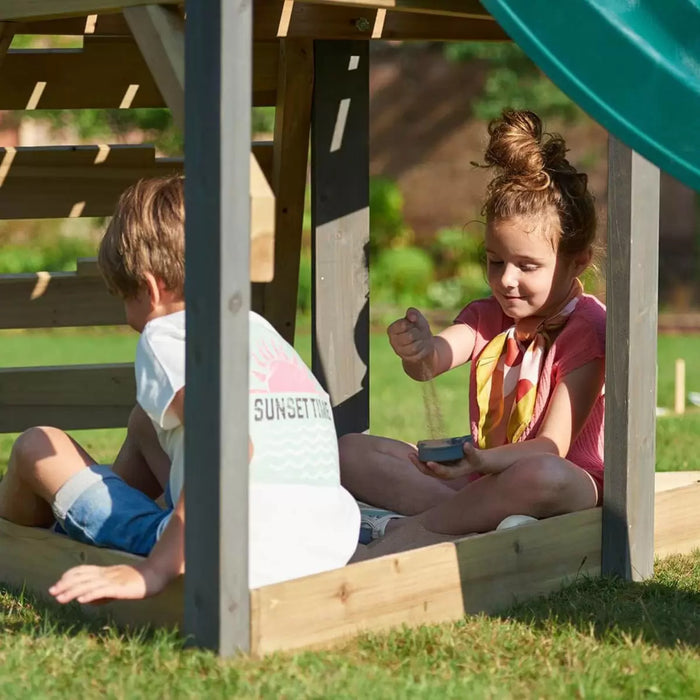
(294, 476)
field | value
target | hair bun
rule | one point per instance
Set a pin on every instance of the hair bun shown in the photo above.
(520, 150)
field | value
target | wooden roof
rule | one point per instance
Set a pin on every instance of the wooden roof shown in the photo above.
(448, 20)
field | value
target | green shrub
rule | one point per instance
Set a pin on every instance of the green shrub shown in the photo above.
(304, 289)
(55, 255)
(401, 276)
(386, 224)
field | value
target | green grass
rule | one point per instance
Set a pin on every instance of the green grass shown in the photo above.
(596, 639)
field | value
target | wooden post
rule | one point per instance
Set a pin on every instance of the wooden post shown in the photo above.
(340, 228)
(630, 421)
(217, 154)
(679, 398)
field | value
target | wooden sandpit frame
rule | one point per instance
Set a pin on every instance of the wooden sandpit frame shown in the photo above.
(311, 60)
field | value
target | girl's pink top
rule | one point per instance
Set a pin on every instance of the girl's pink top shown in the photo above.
(580, 341)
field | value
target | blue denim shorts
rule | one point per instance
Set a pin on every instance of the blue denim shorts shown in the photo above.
(98, 507)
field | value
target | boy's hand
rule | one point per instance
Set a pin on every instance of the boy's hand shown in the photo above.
(411, 338)
(88, 584)
(471, 462)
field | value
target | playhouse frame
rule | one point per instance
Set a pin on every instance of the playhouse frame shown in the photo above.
(288, 54)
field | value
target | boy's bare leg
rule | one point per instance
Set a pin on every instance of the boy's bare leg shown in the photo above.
(42, 460)
(377, 470)
(141, 461)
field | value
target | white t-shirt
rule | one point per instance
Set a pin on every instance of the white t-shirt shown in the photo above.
(302, 521)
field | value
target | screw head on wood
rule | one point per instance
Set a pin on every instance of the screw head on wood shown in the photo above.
(363, 24)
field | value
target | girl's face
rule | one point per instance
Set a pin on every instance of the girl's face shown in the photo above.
(525, 274)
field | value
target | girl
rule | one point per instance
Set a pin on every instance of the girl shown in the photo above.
(537, 348)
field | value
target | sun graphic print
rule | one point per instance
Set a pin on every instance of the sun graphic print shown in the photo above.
(275, 370)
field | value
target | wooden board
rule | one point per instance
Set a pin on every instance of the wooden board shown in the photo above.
(70, 397)
(160, 34)
(677, 520)
(70, 181)
(36, 558)
(99, 25)
(58, 299)
(109, 72)
(290, 158)
(299, 20)
(455, 8)
(665, 481)
(47, 9)
(429, 585)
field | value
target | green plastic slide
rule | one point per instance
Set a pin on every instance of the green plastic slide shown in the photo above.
(633, 65)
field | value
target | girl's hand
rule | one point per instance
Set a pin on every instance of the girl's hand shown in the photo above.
(88, 584)
(469, 464)
(411, 338)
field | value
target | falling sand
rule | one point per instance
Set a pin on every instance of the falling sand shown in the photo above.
(433, 414)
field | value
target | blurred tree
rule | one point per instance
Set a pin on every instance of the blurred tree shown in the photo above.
(513, 80)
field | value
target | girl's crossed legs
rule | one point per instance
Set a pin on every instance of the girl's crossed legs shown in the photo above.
(379, 470)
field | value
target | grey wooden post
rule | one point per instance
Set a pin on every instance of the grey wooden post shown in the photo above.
(630, 402)
(217, 153)
(340, 228)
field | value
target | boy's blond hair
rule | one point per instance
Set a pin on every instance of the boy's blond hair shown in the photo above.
(146, 235)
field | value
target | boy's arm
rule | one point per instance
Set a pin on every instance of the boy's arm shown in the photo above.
(87, 584)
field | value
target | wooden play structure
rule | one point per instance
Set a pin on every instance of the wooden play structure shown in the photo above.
(309, 59)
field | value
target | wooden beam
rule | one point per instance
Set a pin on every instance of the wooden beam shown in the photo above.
(98, 25)
(291, 148)
(484, 573)
(630, 421)
(217, 154)
(340, 228)
(107, 73)
(160, 34)
(35, 558)
(73, 181)
(57, 299)
(72, 397)
(677, 520)
(6, 35)
(23, 10)
(307, 21)
(454, 8)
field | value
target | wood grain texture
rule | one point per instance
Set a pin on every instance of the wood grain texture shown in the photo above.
(36, 558)
(677, 520)
(47, 9)
(70, 397)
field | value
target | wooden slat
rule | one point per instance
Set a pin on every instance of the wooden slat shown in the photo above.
(36, 558)
(103, 75)
(291, 148)
(630, 420)
(101, 25)
(340, 228)
(69, 181)
(6, 34)
(45, 300)
(48, 9)
(455, 8)
(666, 481)
(677, 520)
(160, 34)
(306, 21)
(263, 152)
(428, 585)
(71, 398)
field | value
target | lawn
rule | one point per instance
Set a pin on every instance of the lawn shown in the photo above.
(603, 638)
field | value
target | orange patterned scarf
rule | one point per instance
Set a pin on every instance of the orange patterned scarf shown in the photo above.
(508, 370)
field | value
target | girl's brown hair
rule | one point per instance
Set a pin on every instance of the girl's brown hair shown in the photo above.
(146, 235)
(534, 179)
